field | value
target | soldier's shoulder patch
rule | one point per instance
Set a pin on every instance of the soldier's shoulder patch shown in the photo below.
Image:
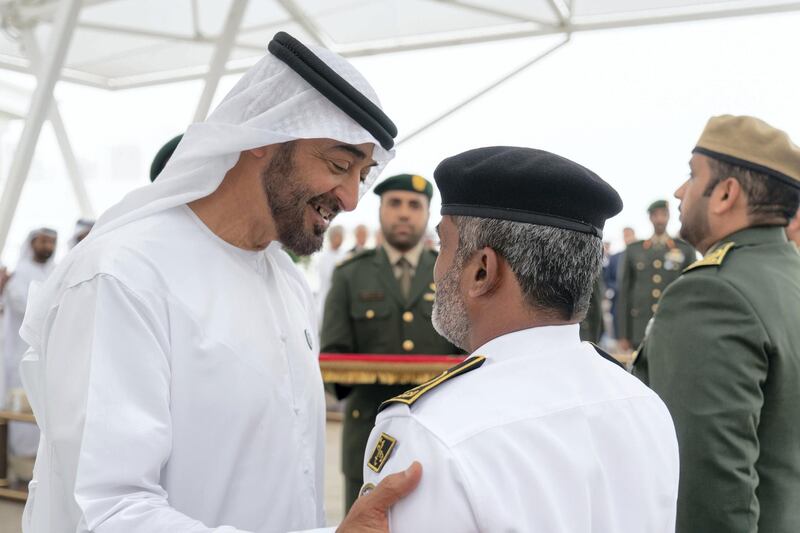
(383, 449)
(411, 396)
(715, 258)
(351, 258)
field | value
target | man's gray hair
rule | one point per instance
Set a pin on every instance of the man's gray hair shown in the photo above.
(555, 268)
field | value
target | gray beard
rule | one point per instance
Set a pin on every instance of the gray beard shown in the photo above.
(450, 318)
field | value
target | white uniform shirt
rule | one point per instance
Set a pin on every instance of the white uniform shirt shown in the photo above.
(182, 390)
(546, 436)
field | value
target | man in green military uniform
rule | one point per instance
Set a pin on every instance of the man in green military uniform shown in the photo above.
(647, 268)
(723, 350)
(381, 301)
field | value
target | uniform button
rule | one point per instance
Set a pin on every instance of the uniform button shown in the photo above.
(639, 266)
(654, 308)
(656, 278)
(657, 263)
(432, 287)
(408, 316)
(656, 293)
(370, 314)
(356, 413)
(408, 345)
(428, 296)
(283, 339)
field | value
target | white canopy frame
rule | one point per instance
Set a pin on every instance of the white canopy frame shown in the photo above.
(507, 19)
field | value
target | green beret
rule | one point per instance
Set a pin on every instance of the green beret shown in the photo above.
(658, 204)
(163, 156)
(405, 182)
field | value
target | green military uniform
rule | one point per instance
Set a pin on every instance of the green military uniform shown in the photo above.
(723, 350)
(366, 312)
(647, 268)
(591, 328)
(724, 355)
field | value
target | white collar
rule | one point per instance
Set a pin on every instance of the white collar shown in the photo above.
(531, 342)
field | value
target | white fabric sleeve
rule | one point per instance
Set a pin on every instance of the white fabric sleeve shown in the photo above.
(108, 405)
(441, 501)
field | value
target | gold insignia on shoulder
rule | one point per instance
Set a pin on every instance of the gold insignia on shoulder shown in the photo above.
(715, 258)
(366, 489)
(383, 449)
(419, 183)
(412, 395)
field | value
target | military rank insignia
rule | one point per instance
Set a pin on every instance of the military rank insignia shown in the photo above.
(383, 449)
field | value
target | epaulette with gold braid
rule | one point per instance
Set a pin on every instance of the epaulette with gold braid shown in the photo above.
(715, 258)
(412, 395)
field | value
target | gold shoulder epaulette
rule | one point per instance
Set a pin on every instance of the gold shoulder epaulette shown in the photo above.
(412, 395)
(357, 255)
(715, 258)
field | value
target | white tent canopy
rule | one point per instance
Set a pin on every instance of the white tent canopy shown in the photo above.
(119, 44)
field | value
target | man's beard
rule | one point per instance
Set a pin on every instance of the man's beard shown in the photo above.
(449, 312)
(401, 244)
(694, 224)
(42, 257)
(288, 198)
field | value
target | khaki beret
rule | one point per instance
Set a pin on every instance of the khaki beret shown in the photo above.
(751, 143)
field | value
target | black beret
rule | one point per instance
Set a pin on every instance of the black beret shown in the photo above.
(658, 204)
(163, 155)
(405, 182)
(525, 185)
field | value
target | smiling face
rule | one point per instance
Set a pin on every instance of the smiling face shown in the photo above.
(308, 182)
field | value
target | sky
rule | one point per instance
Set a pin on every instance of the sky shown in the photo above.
(628, 104)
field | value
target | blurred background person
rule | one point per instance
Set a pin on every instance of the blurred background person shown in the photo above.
(611, 279)
(380, 302)
(328, 259)
(82, 228)
(647, 268)
(361, 233)
(35, 264)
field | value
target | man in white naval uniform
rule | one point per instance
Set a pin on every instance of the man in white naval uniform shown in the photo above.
(537, 431)
(173, 362)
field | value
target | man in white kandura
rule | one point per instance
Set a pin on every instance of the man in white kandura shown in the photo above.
(537, 431)
(173, 362)
(36, 262)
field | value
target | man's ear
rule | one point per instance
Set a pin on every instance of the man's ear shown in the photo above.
(258, 153)
(726, 195)
(483, 272)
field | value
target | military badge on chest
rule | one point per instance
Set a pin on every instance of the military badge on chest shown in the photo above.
(673, 259)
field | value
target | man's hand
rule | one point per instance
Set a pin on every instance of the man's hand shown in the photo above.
(370, 512)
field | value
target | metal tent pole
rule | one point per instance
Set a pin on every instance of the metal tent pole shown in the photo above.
(221, 54)
(61, 35)
(482, 92)
(78, 186)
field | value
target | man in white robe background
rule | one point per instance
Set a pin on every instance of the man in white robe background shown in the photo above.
(173, 362)
(35, 264)
(327, 261)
